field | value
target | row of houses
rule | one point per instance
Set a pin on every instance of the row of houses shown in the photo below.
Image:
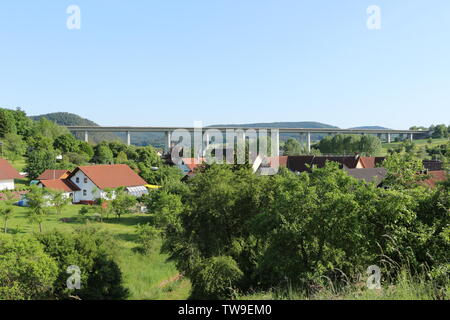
(363, 168)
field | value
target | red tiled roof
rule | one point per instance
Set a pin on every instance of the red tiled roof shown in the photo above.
(193, 163)
(282, 161)
(50, 174)
(111, 175)
(60, 185)
(371, 162)
(436, 176)
(7, 171)
(16, 194)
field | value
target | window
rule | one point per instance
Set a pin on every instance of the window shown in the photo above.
(77, 180)
(84, 193)
(85, 180)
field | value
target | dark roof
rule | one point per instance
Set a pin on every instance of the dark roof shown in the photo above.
(432, 165)
(7, 171)
(51, 174)
(301, 163)
(376, 175)
(111, 175)
(60, 185)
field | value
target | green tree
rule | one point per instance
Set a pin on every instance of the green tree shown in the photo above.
(48, 129)
(14, 146)
(369, 145)
(121, 157)
(87, 149)
(147, 234)
(39, 160)
(38, 141)
(7, 208)
(66, 143)
(94, 252)
(292, 148)
(122, 203)
(23, 122)
(440, 131)
(103, 154)
(38, 201)
(26, 271)
(59, 200)
(342, 144)
(403, 171)
(7, 122)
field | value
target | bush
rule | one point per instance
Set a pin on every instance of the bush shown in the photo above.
(147, 234)
(216, 278)
(26, 271)
(93, 251)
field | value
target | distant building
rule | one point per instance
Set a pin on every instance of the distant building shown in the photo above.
(64, 185)
(376, 175)
(51, 174)
(305, 163)
(435, 177)
(7, 175)
(433, 165)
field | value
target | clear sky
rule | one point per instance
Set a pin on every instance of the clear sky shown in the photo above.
(229, 61)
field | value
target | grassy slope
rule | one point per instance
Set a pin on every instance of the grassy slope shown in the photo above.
(143, 275)
(420, 143)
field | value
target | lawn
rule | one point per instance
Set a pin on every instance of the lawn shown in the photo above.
(419, 143)
(19, 164)
(146, 276)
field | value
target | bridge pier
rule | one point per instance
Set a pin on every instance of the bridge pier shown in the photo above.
(86, 136)
(276, 147)
(388, 135)
(128, 138)
(168, 141)
(308, 142)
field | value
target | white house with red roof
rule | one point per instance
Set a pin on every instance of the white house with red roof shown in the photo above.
(92, 181)
(7, 175)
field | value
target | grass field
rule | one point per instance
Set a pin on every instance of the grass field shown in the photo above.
(146, 276)
(419, 143)
(19, 164)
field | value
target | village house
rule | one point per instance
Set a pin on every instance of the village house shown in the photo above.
(7, 175)
(85, 184)
(51, 174)
(93, 180)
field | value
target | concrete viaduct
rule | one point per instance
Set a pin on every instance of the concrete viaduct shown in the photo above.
(305, 131)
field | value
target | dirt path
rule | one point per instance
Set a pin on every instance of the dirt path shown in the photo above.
(164, 283)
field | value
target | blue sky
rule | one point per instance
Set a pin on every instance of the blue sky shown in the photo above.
(229, 61)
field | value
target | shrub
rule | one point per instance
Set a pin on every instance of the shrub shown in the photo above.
(92, 250)
(26, 271)
(147, 234)
(216, 278)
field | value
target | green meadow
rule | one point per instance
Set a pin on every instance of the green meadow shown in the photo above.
(148, 276)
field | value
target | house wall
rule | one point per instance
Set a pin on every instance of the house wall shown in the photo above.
(7, 184)
(65, 194)
(89, 186)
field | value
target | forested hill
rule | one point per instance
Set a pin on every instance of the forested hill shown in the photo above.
(66, 119)
(371, 128)
(303, 124)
